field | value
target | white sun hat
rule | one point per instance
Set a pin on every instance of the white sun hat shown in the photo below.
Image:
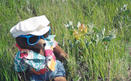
(38, 25)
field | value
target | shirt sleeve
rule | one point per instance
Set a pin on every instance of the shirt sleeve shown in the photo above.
(55, 43)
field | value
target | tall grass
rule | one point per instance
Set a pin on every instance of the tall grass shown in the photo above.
(98, 61)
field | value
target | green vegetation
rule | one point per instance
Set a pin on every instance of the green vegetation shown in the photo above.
(97, 51)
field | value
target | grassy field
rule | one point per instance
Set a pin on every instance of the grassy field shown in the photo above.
(95, 34)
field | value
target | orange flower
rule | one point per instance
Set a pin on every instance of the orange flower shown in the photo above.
(81, 28)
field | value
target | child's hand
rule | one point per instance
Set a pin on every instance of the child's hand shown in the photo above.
(65, 55)
(60, 53)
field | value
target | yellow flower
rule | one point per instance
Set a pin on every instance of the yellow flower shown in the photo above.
(80, 32)
(85, 29)
(76, 34)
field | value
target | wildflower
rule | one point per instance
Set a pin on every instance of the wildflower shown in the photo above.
(66, 25)
(76, 34)
(103, 31)
(70, 23)
(72, 27)
(124, 8)
(78, 25)
(83, 28)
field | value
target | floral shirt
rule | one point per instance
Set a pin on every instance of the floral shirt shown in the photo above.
(30, 59)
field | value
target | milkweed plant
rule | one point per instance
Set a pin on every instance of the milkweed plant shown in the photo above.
(94, 52)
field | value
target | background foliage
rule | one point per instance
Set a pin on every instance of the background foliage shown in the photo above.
(99, 54)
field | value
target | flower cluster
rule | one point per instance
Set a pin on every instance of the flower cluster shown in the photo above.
(88, 34)
(78, 31)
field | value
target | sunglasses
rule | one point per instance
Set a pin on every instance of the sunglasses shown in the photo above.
(32, 39)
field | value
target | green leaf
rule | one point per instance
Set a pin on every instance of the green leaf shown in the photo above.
(109, 38)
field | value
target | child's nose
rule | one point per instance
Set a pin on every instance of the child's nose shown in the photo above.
(41, 41)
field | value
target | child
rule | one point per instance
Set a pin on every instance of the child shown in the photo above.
(35, 60)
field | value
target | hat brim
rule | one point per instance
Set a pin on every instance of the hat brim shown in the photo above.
(41, 31)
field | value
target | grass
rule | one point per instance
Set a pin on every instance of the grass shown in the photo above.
(92, 57)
